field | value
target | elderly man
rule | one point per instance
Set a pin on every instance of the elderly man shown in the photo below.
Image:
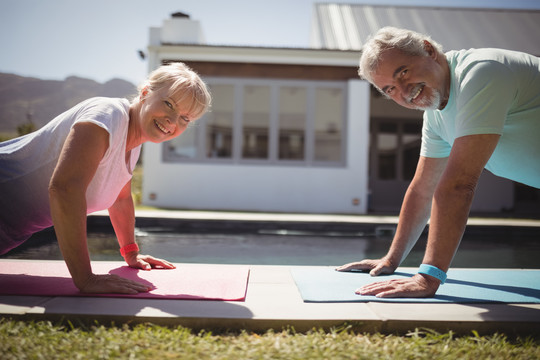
(481, 110)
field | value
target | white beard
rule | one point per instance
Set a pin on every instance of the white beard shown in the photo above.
(433, 102)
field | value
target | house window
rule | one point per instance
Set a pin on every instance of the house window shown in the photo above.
(255, 121)
(184, 146)
(328, 124)
(267, 122)
(397, 145)
(219, 122)
(292, 122)
(387, 141)
(412, 141)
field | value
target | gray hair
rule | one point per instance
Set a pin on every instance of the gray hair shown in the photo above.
(183, 81)
(387, 38)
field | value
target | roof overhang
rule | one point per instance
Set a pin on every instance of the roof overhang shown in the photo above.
(262, 55)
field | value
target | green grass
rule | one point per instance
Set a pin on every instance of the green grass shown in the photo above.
(136, 189)
(5, 136)
(136, 185)
(43, 340)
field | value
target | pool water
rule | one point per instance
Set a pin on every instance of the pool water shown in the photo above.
(291, 248)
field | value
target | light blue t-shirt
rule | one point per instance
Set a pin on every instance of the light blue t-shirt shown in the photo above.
(492, 91)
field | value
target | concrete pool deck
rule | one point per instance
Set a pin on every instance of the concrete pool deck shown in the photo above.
(273, 301)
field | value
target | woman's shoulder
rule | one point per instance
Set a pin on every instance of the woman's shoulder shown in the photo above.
(108, 113)
(105, 103)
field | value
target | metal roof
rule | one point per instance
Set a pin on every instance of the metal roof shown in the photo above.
(347, 26)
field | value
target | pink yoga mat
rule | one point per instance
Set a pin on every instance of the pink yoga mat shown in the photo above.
(187, 281)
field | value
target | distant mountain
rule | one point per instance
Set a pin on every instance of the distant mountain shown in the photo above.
(24, 98)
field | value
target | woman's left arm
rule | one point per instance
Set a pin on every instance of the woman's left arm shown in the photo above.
(122, 215)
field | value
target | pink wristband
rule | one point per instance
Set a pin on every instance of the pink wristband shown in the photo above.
(128, 248)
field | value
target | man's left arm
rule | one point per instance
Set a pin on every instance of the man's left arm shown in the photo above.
(450, 210)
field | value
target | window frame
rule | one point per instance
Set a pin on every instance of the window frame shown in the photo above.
(399, 150)
(199, 126)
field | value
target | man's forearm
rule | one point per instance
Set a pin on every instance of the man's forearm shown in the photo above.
(450, 212)
(412, 221)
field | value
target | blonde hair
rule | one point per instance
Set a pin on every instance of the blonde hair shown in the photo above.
(387, 38)
(184, 84)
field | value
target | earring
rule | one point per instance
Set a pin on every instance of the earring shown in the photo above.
(143, 94)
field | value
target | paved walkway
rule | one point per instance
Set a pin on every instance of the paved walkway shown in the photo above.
(273, 300)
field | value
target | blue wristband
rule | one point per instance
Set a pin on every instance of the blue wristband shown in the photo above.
(432, 271)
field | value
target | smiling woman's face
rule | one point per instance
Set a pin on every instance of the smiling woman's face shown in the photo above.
(162, 117)
(414, 82)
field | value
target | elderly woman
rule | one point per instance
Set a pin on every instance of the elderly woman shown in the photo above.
(82, 161)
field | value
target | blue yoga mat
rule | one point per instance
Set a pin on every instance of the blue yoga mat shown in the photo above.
(324, 284)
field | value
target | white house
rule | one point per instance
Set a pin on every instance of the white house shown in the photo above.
(296, 130)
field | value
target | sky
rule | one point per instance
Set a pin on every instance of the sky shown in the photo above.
(100, 39)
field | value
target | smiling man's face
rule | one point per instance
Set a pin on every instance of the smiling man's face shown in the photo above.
(414, 82)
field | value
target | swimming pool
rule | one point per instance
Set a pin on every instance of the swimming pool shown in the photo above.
(281, 246)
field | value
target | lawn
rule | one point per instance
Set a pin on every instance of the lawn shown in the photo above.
(43, 340)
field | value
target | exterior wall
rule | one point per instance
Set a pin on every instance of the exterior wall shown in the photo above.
(182, 30)
(244, 187)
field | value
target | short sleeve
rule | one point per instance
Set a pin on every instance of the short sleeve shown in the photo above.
(98, 112)
(433, 145)
(105, 113)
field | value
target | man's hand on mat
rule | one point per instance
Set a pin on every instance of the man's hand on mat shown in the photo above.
(111, 284)
(147, 262)
(417, 286)
(375, 267)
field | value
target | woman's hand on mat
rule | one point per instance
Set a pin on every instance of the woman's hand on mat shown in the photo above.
(111, 284)
(417, 286)
(147, 262)
(375, 267)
